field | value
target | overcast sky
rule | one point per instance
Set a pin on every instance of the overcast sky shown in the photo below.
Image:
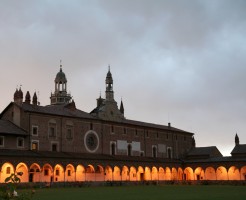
(178, 61)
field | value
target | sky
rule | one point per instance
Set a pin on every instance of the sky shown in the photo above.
(177, 61)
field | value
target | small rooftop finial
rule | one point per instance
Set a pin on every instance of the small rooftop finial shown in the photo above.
(60, 65)
(109, 67)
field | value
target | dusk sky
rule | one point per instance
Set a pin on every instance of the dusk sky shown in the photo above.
(178, 61)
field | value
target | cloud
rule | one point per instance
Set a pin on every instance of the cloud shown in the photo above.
(181, 61)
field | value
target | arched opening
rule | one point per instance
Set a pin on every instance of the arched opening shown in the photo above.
(221, 173)
(154, 175)
(23, 169)
(133, 174)
(147, 175)
(89, 173)
(243, 173)
(35, 173)
(129, 150)
(233, 173)
(140, 174)
(188, 174)
(80, 173)
(199, 174)
(180, 173)
(47, 175)
(108, 173)
(210, 173)
(125, 173)
(6, 171)
(59, 173)
(99, 173)
(70, 174)
(174, 174)
(117, 174)
(168, 174)
(161, 174)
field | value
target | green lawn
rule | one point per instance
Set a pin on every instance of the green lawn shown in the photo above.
(167, 192)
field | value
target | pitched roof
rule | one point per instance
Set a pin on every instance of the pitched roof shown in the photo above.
(7, 127)
(239, 149)
(211, 151)
(62, 110)
(158, 126)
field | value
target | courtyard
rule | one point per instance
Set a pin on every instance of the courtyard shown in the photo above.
(167, 192)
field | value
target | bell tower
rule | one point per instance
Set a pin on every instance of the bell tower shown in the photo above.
(109, 86)
(60, 96)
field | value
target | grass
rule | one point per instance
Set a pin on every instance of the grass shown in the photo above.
(167, 192)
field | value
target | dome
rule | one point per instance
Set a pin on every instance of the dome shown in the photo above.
(60, 77)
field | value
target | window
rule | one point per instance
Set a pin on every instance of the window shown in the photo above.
(112, 129)
(54, 147)
(169, 152)
(20, 142)
(147, 133)
(136, 132)
(52, 129)
(35, 130)
(34, 145)
(91, 126)
(167, 136)
(52, 132)
(129, 150)
(8, 170)
(154, 152)
(69, 172)
(1, 141)
(125, 131)
(69, 134)
(113, 149)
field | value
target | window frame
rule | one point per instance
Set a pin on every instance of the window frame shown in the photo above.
(57, 146)
(35, 142)
(34, 127)
(17, 142)
(52, 126)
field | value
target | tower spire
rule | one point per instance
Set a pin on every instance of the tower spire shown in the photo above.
(236, 140)
(109, 86)
(122, 107)
(60, 65)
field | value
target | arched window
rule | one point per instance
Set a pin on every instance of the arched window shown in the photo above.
(129, 150)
